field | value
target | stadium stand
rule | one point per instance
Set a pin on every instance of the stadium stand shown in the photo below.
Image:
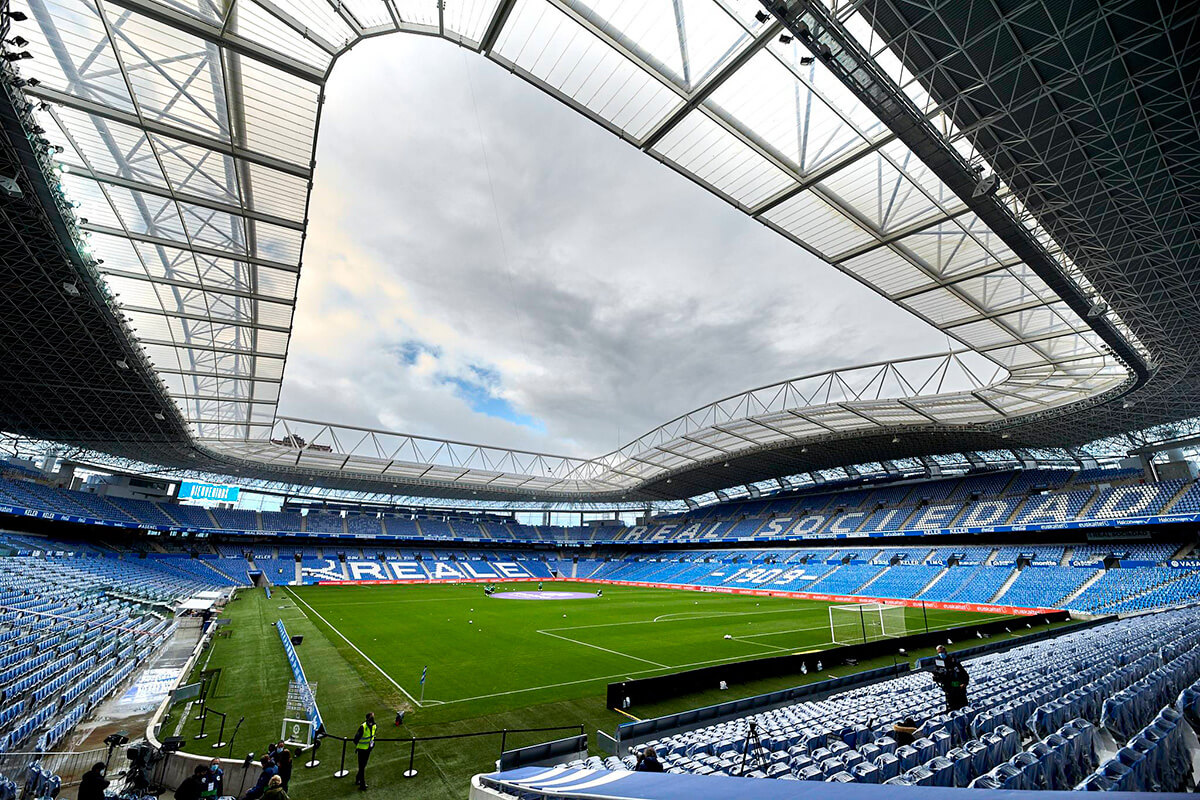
(1035, 721)
(947, 505)
(236, 519)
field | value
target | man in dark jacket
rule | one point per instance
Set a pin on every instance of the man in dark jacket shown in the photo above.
(268, 770)
(951, 675)
(93, 783)
(193, 785)
(283, 759)
(648, 761)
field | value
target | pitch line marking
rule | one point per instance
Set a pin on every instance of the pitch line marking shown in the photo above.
(667, 618)
(605, 649)
(391, 680)
(758, 644)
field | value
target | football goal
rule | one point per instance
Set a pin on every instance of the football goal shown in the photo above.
(866, 622)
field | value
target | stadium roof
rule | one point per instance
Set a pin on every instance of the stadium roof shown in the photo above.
(1044, 221)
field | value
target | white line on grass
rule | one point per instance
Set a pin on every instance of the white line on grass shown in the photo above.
(760, 644)
(605, 649)
(684, 616)
(355, 647)
(667, 618)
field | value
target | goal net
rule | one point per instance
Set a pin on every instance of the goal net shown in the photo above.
(866, 622)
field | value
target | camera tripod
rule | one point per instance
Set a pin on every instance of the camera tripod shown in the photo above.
(753, 742)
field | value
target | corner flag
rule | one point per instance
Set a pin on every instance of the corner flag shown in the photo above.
(424, 670)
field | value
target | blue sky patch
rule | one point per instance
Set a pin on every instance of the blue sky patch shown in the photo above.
(479, 390)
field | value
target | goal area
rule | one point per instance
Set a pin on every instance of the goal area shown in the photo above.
(866, 622)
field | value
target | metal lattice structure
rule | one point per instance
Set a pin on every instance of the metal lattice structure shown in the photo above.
(188, 131)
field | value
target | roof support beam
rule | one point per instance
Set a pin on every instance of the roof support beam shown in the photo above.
(195, 248)
(212, 33)
(711, 85)
(196, 287)
(161, 129)
(191, 199)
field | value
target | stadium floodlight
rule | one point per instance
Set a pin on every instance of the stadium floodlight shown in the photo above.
(986, 184)
(16, 16)
(9, 187)
(761, 16)
(786, 38)
(70, 289)
(1098, 309)
(806, 60)
(122, 363)
(18, 56)
(18, 41)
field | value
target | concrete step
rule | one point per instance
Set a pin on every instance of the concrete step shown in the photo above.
(1008, 582)
(1066, 601)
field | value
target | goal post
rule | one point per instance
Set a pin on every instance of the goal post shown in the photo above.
(866, 622)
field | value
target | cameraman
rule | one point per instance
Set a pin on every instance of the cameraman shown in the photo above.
(93, 784)
(951, 675)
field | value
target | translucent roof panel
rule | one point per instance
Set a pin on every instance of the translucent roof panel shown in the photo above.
(188, 131)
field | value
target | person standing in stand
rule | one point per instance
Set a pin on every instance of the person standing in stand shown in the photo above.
(951, 675)
(283, 759)
(364, 742)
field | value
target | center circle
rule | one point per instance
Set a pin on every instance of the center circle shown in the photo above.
(543, 595)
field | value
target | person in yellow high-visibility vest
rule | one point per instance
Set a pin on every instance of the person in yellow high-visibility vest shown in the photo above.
(364, 742)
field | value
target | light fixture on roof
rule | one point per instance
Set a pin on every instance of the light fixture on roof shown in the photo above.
(9, 187)
(70, 289)
(668, 480)
(761, 16)
(161, 417)
(987, 183)
(1098, 309)
(17, 41)
(122, 363)
(786, 38)
(806, 60)
(1004, 435)
(803, 449)
(1128, 404)
(727, 463)
(895, 440)
(18, 56)
(16, 16)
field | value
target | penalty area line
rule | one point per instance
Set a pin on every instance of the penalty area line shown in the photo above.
(605, 649)
(332, 627)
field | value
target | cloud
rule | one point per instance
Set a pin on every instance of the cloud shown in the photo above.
(485, 264)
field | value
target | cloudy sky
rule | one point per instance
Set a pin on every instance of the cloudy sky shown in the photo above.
(485, 264)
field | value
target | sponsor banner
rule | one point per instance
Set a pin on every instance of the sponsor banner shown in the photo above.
(443, 580)
(428, 571)
(1184, 563)
(190, 490)
(298, 675)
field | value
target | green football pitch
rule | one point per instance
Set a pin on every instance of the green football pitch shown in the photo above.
(492, 664)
